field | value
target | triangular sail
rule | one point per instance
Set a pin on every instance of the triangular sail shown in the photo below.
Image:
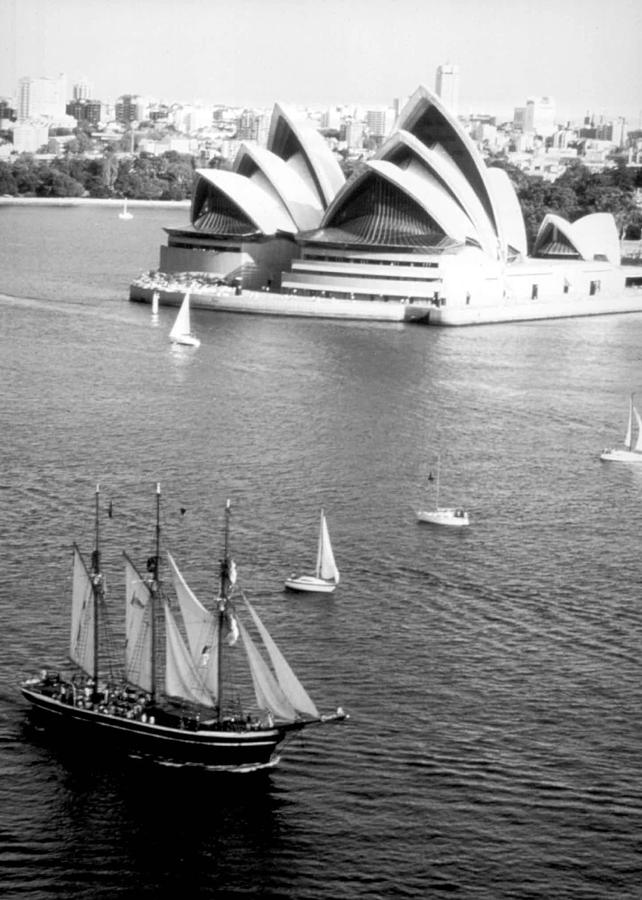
(629, 428)
(638, 443)
(181, 677)
(201, 628)
(81, 648)
(269, 695)
(326, 566)
(288, 682)
(138, 629)
(182, 323)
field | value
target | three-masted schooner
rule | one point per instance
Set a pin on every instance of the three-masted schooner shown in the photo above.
(173, 701)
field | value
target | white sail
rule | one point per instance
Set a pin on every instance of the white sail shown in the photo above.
(326, 566)
(155, 303)
(182, 325)
(138, 629)
(638, 443)
(629, 429)
(201, 628)
(81, 648)
(288, 682)
(269, 695)
(181, 677)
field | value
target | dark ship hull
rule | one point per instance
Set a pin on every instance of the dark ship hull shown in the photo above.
(167, 738)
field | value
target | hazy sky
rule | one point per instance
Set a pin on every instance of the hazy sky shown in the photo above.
(585, 54)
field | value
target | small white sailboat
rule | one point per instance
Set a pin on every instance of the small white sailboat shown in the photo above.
(124, 214)
(454, 516)
(326, 573)
(155, 304)
(632, 451)
(181, 333)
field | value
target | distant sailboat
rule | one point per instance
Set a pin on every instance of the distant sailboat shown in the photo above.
(181, 333)
(632, 452)
(155, 303)
(124, 214)
(326, 574)
(455, 516)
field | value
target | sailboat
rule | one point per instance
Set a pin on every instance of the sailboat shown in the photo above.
(632, 452)
(172, 700)
(454, 516)
(124, 214)
(155, 304)
(181, 332)
(326, 573)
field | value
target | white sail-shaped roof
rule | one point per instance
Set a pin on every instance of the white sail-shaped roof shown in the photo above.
(282, 182)
(426, 117)
(244, 203)
(406, 151)
(508, 210)
(591, 237)
(81, 646)
(138, 629)
(299, 144)
(598, 234)
(421, 197)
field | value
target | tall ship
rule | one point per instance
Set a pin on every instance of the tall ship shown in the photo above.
(178, 695)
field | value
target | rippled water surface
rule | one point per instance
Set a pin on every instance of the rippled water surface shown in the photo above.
(492, 676)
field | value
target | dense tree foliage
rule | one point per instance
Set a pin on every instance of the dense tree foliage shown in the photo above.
(144, 177)
(576, 193)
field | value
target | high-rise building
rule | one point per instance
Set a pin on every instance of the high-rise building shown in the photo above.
(447, 86)
(41, 98)
(130, 108)
(539, 116)
(82, 90)
(91, 111)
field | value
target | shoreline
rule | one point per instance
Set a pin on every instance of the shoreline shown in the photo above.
(91, 201)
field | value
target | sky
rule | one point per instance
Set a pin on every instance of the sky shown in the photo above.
(584, 54)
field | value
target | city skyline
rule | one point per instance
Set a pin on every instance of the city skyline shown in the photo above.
(322, 52)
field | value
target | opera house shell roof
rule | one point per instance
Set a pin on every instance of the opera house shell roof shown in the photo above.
(283, 188)
(299, 224)
(428, 187)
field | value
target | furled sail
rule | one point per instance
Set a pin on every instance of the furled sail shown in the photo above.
(288, 682)
(201, 628)
(181, 678)
(138, 629)
(81, 649)
(326, 566)
(269, 695)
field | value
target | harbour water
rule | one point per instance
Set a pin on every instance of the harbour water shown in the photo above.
(492, 674)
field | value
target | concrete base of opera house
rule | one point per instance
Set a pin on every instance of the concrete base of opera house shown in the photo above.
(274, 304)
(265, 303)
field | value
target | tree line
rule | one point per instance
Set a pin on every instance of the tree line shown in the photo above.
(575, 193)
(144, 177)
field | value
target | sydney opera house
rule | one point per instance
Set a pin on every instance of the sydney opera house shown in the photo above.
(426, 231)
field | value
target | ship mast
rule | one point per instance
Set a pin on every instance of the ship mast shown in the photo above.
(154, 598)
(97, 589)
(222, 608)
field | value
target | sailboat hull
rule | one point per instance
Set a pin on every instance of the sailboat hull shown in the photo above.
(626, 456)
(186, 341)
(230, 750)
(454, 518)
(311, 584)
